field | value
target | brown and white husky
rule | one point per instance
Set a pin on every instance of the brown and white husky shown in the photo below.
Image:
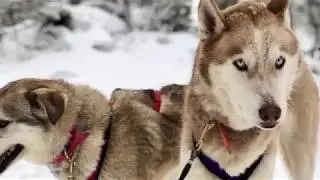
(252, 89)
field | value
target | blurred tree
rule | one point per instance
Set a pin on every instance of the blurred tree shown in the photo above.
(75, 2)
(314, 16)
(120, 8)
(15, 11)
(144, 2)
(150, 15)
(305, 15)
(164, 15)
(169, 15)
(45, 17)
(126, 14)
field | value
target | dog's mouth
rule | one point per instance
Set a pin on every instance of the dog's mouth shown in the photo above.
(269, 125)
(9, 156)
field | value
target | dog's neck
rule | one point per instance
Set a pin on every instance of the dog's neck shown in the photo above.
(223, 135)
(201, 108)
(236, 139)
(91, 114)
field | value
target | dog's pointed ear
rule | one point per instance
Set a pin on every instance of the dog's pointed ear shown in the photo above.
(47, 104)
(281, 9)
(278, 7)
(211, 20)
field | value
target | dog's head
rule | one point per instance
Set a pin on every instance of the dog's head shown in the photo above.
(30, 109)
(249, 58)
(172, 100)
(174, 95)
(144, 96)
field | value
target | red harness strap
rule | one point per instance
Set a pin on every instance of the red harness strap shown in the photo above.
(76, 139)
(157, 100)
(223, 135)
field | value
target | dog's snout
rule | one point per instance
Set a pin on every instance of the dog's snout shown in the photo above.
(269, 112)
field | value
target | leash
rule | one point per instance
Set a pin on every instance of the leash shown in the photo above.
(196, 149)
(103, 152)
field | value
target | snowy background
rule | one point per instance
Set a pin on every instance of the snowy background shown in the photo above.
(115, 43)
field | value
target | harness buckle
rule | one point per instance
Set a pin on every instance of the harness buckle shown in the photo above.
(72, 164)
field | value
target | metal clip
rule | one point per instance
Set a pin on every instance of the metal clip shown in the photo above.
(196, 149)
(207, 126)
(72, 164)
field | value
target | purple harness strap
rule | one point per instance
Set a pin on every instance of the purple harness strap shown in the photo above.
(215, 169)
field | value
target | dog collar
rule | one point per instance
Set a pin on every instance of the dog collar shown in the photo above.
(214, 167)
(197, 149)
(75, 140)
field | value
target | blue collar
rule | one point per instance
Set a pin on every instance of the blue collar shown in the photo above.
(215, 169)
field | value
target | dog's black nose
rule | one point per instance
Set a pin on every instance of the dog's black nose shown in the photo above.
(269, 112)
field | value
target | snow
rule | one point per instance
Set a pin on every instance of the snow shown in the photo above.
(135, 60)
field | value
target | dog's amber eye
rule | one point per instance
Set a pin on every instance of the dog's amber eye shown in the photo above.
(280, 62)
(4, 124)
(240, 65)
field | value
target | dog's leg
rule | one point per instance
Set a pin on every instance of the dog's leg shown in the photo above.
(298, 135)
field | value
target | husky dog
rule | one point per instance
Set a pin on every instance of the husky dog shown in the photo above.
(250, 91)
(157, 133)
(125, 139)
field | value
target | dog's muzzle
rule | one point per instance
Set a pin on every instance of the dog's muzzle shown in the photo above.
(269, 114)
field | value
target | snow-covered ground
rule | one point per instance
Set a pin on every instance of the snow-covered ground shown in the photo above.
(139, 60)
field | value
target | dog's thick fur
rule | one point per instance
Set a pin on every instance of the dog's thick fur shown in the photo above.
(257, 33)
(156, 134)
(143, 143)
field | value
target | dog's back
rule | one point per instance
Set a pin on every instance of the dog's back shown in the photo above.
(144, 140)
